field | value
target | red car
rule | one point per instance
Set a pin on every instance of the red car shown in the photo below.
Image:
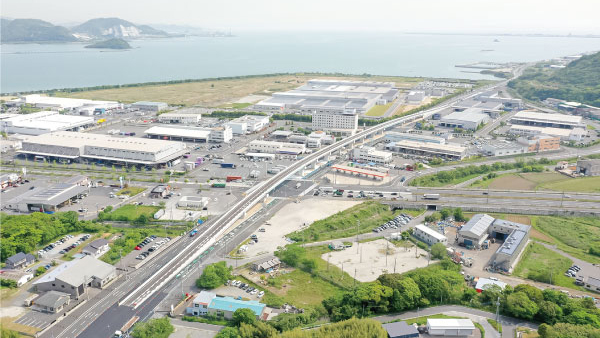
(138, 247)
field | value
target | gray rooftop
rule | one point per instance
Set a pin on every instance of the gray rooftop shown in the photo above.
(478, 224)
(53, 195)
(53, 299)
(19, 257)
(515, 225)
(74, 272)
(512, 242)
(397, 329)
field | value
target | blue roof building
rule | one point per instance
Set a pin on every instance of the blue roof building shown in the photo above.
(228, 305)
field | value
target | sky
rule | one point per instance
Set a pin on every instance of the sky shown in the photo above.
(440, 16)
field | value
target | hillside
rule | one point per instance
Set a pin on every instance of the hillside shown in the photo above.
(33, 30)
(114, 43)
(579, 81)
(114, 27)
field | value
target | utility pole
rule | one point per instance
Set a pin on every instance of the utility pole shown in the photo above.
(386, 254)
(497, 312)
(354, 277)
(357, 225)
(394, 264)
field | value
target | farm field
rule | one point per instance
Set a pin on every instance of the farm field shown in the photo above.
(218, 92)
(131, 212)
(379, 109)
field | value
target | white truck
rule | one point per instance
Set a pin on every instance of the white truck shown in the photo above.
(125, 328)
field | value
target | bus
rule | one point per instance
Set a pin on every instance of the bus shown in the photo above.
(431, 196)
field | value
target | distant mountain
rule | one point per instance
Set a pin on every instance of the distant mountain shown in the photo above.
(578, 81)
(114, 28)
(114, 43)
(33, 30)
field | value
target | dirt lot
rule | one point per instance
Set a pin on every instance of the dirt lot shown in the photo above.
(292, 217)
(373, 261)
(512, 182)
(212, 93)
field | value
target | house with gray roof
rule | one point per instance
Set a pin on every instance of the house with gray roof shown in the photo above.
(19, 260)
(51, 302)
(400, 330)
(75, 276)
(96, 248)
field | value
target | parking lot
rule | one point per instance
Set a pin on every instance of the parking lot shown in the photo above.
(235, 291)
(61, 246)
(131, 259)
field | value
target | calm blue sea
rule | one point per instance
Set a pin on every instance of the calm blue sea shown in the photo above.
(27, 67)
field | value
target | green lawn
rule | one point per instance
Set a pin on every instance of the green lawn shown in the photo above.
(130, 212)
(573, 235)
(344, 223)
(582, 184)
(497, 326)
(423, 320)
(131, 191)
(235, 105)
(541, 264)
(590, 127)
(435, 183)
(378, 110)
(540, 181)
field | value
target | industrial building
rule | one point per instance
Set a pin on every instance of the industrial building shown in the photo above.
(393, 136)
(81, 106)
(371, 155)
(588, 167)
(48, 199)
(150, 106)
(358, 171)
(332, 96)
(575, 134)
(226, 306)
(343, 123)
(200, 303)
(195, 202)
(447, 151)
(494, 96)
(507, 253)
(248, 124)
(266, 264)
(178, 117)
(103, 149)
(470, 119)
(450, 327)
(400, 330)
(415, 96)
(540, 143)
(533, 118)
(428, 235)
(503, 148)
(592, 284)
(191, 134)
(51, 302)
(73, 277)
(272, 147)
(43, 122)
(491, 108)
(318, 138)
(475, 231)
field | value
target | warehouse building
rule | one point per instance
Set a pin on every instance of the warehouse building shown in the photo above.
(494, 96)
(450, 327)
(475, 231)
(393, 136)
(358, 171)
(592, 284)
(43, 122)
(507, 253)
(332, 96)
(415, 96)
(81, 106)
(447, 151)
(73, 277)
(371, 154)
(491, 108)
(503, 148)
(343, 123)
(194, 202)
(588, 167)
(200, 303)
(51, 302)
(272, 147)
(575, 134)
(533, 118)
(178, 117)
(48, 199)
(191, 134)
(540, 143)
(248, 124)
(226, 306)
(471, 119)
(428, 235)
(150, 106)
(103, 149)
(400, 330)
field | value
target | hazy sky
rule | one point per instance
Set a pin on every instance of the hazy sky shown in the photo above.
(471, 16)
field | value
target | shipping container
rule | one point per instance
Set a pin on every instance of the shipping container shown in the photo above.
(233, 178)
(228, 165)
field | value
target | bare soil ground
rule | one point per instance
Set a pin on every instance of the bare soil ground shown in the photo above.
(512, 182)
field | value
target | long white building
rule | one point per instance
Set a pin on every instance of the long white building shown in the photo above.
(470, 118)
(448, 151)
(248, 124)
(393, 136)
(175, 117)
(103, 148)
(342, 123)
(428, 235)
(42, 122)
(533, 118)
(273, 147)
(63, 103)
(370, 154)
(191, 134)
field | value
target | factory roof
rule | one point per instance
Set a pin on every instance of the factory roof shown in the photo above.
(469, 114)
(512, 242)
(53, 195)
(508, 224)
(503, 145)
(148, 103)
(400, 329)
(478, 224)
(430, 232)
(416, 137)
(179, 114)
(230, 304)
(545, 117)
(52, 299)
(561, 132)
(449, 324)
(63, 102)
(75, 139)
(204, 297)
(430, 147)
(484, 283)
(185, 132)
(74, 272)
(16, 258)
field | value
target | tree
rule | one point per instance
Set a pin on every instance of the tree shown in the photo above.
(406, 295)
(257, 330)
(549, 312)
(40, 271)
(154, 328)
(531, 291)
(228, 332)
(214, 275)
(445, 213)
(246, 316)
(458, 215)
(141, 220)
(438, 251)
(309, 264)
(8, 283)
(292, 255)
(519, 305)
(5, 333)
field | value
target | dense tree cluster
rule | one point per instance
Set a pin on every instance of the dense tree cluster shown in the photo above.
(24, 233)
(154, 328)
(214, 275)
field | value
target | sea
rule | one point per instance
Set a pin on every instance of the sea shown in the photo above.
(31, 67)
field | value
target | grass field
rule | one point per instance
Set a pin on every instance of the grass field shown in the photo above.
(540, 181)
(573, 235)
(423, 320)
(214, 93)
(131, 191)
(378, 110)
(497, 326)
(542, 264)
(130, 212)
(344, 223)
